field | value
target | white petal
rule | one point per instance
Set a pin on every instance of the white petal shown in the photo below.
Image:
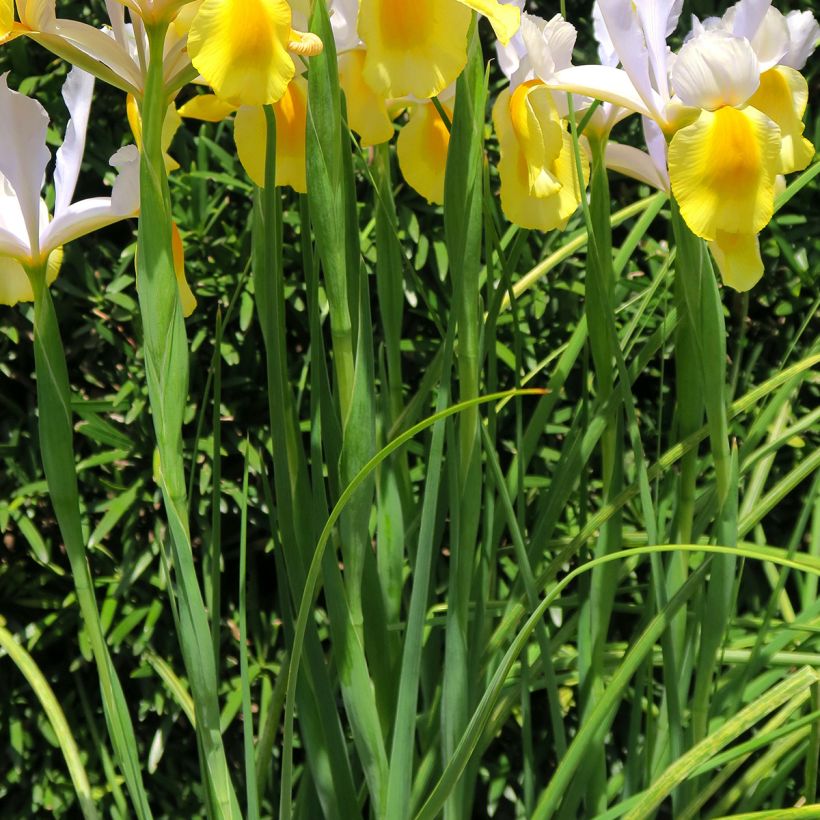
(511, 56)
(803, 36)
(716, 69)
(11, 245)
(627, 36)
(746, 17)
(606, 50)
(90, 215)
(625, 159)
(11, 217)
(601, 83)
(24, 155)
(656, 16)
(343, 18)
(77, 93)
(771, 40)
(548, 45)
(656, 143)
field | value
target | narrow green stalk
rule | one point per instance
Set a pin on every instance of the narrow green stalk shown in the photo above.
(166, 364)
(214, 562)
(463, 224)
(57, 451)
(51, 706)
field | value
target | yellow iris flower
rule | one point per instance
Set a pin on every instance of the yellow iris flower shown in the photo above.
(242, 48)
(418, 47)
(421, 150)
(367, 111)
(539, 182)
(724, 166)
(250, 133)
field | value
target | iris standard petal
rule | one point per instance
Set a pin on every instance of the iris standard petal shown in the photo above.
(520, 206)
(240, 49)
(738, 259)
(804, 32)
(414, 47)
(723, 168)
(77, 92)
(715, 69)
(366, 110)
(782, 96)
(422, 151)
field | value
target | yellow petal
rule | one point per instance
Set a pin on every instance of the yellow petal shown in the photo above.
(186, 296)
(520, 205)
(414, 47)
(422, 151)
(240, 48)
(14, 284)
(782, 96)
(170, 126)
(6, 18)
(505, 19)
(366, 110)
(207, 107)
(539, 132)
(250, 135)
(723, 169)
(738, 259)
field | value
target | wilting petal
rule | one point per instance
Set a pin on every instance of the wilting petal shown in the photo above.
(422, 151)
(250, 135)
(77, 93)
(539, 132)
(723, 168)
(632, 162)
(738, 259)
(207, 107)
(520, 206)
(413, 48)
(366, 110)
(186, 296)
(715, 69)
(782, 97)
(240, 48)
(24, 155)
(504, 19)
(803, 36)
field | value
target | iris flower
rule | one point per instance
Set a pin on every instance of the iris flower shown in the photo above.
(29, 236)
(418, 47)
(730, 109)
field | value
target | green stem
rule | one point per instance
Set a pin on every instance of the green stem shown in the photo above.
(166, 364)
(57, 449)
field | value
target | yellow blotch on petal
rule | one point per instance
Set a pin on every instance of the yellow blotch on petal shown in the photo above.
(366, 110)
(557, 195)
(186, 296)
(422, 151)
(738, 259)
(538, 128)
(14, 283)
(250, 135)
(723, 169)
(414, 47)
(505, 19)
(240, 48)
(206, 107)
(782, 96)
